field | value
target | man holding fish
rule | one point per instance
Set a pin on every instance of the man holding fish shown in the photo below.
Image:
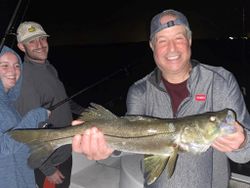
(179, 87)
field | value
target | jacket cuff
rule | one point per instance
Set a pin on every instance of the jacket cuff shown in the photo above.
(48, 171)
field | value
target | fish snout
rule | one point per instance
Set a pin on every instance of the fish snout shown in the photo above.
(231, 117)
(227, 128)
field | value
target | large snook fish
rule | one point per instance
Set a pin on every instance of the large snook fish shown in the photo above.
(159, 139)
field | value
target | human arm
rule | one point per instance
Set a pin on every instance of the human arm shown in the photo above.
(10, 120)
(236, 145)
(49, 168)
(135, 100)
(232, 141)
(33, 118)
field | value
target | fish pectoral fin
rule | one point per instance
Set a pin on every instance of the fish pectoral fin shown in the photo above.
(172, 162)
(39, 153)
(153, 167)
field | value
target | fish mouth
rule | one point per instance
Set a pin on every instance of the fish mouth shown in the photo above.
(227, 123)
(230, 118)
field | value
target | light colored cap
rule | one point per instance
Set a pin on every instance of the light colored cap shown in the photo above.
(28, 30)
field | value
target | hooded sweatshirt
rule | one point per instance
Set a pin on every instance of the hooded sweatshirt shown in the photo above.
(14, 170)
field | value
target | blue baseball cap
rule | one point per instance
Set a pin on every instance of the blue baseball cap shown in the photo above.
(157, 26)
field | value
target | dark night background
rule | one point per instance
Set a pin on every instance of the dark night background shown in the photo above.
(101, 47)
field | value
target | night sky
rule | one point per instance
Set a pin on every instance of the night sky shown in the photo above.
(110, 21)
(92, 39)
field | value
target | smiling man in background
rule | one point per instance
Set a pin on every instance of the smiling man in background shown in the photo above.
(42, 87)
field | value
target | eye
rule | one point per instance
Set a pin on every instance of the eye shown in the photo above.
(17, 65)
(43, 38)
(161, 41)
(212, 118)
(4, 65)
(180, 38)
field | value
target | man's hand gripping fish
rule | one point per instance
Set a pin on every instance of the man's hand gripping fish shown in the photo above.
(158, 139)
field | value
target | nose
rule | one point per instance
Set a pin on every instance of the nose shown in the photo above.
(38, 42)
(11, 69)
(172, 46)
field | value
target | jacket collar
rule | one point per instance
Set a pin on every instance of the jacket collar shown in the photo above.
(155, 77)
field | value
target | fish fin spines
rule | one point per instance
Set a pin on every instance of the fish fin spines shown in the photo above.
(95, 111)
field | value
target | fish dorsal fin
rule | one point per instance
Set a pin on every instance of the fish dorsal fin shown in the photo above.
(154, 166)
(95, 111)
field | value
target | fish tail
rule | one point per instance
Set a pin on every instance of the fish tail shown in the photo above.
(29, 135)
(40, 146)
(39, 153)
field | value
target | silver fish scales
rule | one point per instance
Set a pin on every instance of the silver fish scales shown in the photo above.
(160, 140)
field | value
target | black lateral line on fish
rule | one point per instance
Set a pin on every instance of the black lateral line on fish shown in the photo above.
(143, 136)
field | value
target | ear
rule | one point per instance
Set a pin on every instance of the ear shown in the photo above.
(151, 45)
(190, 41)
(21, 47)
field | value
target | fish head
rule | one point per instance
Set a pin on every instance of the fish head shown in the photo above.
(227, 124)
(198, 137)
(218, 124)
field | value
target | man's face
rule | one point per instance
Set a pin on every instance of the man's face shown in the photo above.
(37, 49)
(172, 48)
(9, 70)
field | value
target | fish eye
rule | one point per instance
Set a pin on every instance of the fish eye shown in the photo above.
(212, 118)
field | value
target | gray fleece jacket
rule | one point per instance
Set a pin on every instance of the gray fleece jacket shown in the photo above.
(41, 87)
(219, 89)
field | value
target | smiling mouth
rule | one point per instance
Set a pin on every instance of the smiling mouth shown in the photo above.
(11, 78)
(173, 58)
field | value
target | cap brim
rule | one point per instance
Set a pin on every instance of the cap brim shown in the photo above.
(33, 37)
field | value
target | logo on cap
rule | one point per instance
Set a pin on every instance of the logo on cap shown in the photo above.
(32, 29)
